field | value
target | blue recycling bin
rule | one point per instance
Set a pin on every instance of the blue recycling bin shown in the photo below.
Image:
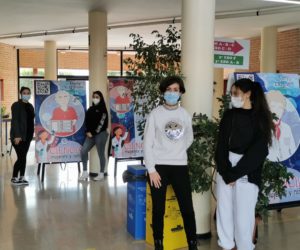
(136, 202)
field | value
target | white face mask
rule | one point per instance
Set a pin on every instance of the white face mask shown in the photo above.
(237, 102)
(96, 101)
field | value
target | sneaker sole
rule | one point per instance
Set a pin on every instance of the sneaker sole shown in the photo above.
(16, 184)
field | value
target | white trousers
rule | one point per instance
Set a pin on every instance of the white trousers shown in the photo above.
(236, 213)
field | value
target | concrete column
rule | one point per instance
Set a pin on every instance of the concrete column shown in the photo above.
(97, 67)
(198, 18)
(50, 60)
(268, 56)
(218, 90)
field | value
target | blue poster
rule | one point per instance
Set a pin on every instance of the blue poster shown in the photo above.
(125, 139)
(283, 95)
(59, 122)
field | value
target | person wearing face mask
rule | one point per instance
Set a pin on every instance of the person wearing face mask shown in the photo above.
(96, 122)
(245, 133)
(167, 136)
(21, 134)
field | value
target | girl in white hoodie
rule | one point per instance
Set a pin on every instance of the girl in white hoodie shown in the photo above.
(168, 135)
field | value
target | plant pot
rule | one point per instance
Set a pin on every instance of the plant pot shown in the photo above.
(202, 208)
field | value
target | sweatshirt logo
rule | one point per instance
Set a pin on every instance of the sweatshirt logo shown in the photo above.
(174, 130)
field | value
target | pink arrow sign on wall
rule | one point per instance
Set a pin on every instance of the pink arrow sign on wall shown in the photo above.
(234, 47)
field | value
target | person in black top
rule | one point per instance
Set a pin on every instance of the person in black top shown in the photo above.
(96, 122)
(245, 133)
(21, 134)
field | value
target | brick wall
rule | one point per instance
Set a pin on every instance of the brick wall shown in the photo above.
(8, 72)
(30, 58)
(288, 52)
(73, 60)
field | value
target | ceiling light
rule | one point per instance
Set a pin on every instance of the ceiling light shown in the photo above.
(283, 1)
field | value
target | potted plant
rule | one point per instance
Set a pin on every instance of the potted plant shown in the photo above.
(151, 63)
(3, 112)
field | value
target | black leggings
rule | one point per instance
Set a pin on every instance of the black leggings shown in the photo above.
(20, 165)
(178, 177)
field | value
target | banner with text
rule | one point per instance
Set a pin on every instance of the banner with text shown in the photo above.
(125, 139)
(60, 110)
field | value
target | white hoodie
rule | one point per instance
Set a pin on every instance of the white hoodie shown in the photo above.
(168, 134)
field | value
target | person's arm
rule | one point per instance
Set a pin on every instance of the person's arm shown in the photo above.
(88, 121)
(149, 137)
(51, 140)
(189, 132)
(251, 160)
(15, 120)
(124, 137)
(222, 150)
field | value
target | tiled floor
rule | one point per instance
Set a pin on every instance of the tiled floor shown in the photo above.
(63, 214)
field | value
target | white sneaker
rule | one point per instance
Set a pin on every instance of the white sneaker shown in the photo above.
(84, 176)
(100, 177)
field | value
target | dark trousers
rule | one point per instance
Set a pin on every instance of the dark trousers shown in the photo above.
(20, 165)
(178, 177)
(100, 141)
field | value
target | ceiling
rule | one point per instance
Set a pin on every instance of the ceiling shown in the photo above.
(21, 17)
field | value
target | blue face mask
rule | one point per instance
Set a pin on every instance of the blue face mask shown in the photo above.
(171, 98)
(26, 98)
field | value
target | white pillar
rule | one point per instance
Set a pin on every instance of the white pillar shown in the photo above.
(97, 67)
(268, 56)
(198, 18)
(50, 60)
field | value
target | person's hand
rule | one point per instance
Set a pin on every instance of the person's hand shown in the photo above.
(17, 140)
(89, 135)
(232, 183)
(155, 179)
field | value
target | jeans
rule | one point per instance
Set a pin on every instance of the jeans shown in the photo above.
(100, 141)
(20, 165)
(178, 177)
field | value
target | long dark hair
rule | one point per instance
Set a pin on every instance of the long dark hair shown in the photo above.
(260, 106)
(101, 104)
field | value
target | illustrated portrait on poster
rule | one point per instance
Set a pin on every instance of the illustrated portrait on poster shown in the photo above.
(284, 143)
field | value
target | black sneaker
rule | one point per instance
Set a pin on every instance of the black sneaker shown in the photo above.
(23, 182)
(15, 182)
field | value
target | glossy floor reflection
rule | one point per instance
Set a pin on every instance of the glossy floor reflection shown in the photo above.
(64, 214)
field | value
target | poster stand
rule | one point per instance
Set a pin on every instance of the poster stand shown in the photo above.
(43, 166)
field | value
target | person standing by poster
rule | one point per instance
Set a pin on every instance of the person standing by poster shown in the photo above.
(168, 135)
(21, 134)
(96, 122)
(245, 132)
